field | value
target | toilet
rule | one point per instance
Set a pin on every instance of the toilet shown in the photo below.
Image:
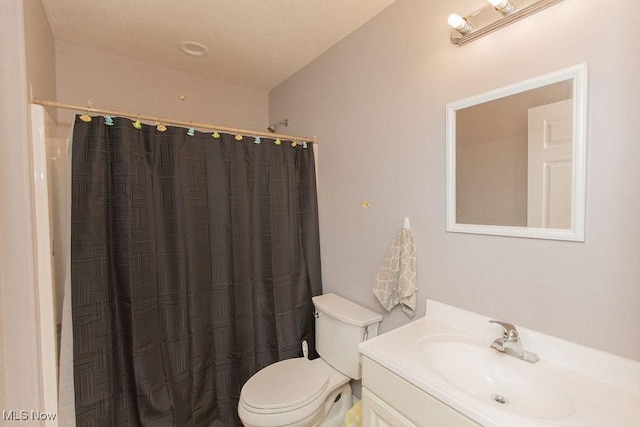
(312, 393)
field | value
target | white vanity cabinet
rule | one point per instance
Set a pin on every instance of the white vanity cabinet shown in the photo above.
(440, 371)
(390, 401)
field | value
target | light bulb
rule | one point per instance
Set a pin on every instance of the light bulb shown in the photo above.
(499, 4)
(459, 23)
(456, 21)
(503, 6)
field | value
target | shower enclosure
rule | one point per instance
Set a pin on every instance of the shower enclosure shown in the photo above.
(260, 265)
(50, 167)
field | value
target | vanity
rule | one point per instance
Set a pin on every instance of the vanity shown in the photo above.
(441, 371)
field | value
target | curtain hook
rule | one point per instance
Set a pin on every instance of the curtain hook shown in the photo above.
(161, 127)
(86, 117)
(108, 119)
(191, 131)
(137, 123)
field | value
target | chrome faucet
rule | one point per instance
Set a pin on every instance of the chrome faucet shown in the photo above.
(510, 343)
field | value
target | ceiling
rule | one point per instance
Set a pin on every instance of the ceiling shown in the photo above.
(252, 43)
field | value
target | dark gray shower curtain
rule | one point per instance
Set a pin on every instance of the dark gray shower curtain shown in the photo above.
(194, 261)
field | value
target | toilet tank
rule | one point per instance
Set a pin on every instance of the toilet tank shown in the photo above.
(340, 326)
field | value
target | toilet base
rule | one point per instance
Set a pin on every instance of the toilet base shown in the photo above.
(337, 410)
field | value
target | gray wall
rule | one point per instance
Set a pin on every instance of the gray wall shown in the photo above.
(377, 100)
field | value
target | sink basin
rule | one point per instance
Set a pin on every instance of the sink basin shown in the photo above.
(498, 379)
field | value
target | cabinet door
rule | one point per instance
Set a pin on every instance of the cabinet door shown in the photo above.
(376, 413)
(405, 400)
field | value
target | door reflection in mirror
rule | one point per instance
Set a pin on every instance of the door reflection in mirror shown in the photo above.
(492, 158)
(516, 159)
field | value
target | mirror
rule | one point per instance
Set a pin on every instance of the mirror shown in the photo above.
(516, 159)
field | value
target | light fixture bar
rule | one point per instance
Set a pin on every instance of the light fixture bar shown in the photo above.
(490, 17)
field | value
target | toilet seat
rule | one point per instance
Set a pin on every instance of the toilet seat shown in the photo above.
(285, 386)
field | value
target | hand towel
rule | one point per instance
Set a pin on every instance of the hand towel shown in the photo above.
(396, 281)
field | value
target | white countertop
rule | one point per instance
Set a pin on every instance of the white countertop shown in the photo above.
(605, 387)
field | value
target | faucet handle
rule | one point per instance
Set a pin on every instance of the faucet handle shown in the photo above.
(510, 331)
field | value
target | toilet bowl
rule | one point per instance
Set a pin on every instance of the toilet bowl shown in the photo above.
(307, 393)
(294, 392)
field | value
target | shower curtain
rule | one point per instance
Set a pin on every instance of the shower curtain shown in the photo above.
(194, 260)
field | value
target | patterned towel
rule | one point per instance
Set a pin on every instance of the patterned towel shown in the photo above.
(396, 281)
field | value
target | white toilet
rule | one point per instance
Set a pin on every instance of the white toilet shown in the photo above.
(308, 393)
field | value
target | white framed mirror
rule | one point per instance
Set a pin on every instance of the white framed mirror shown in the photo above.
(516, 159)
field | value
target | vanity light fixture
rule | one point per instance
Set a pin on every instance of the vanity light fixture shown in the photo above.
(493, 16)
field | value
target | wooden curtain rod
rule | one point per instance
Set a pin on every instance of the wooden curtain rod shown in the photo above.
(164, 120)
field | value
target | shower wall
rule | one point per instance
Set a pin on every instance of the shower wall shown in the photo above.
(41, 126)
(57, 174)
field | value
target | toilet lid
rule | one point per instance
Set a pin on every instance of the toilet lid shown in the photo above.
(288, 384)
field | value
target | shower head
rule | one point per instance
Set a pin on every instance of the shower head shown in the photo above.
(272, 128)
